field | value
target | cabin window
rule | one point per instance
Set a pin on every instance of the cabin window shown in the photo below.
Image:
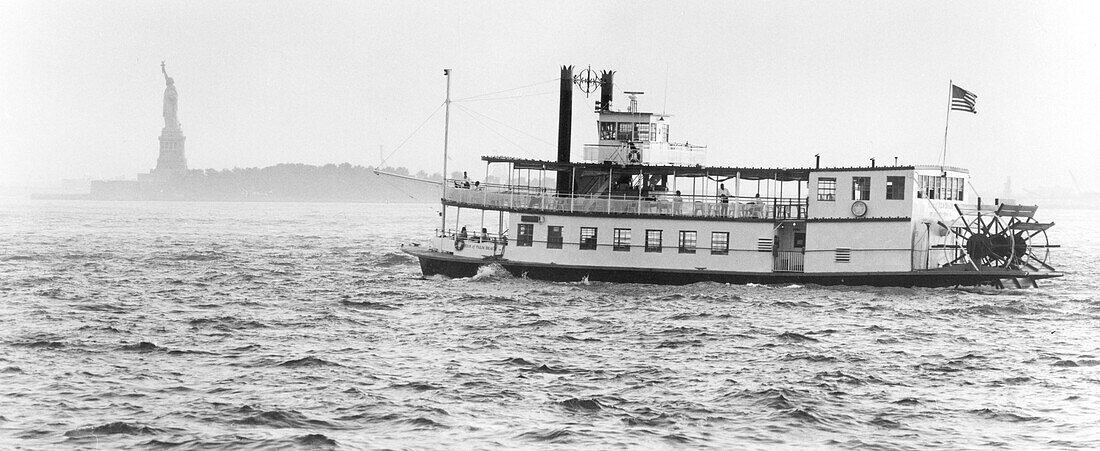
(895, 187)
(861, 188)
(626, 131)
(588, 238)
(621, 240)
(653, 241)
(642, 131)
(607, 130)
(826, 188)
(688, 240)
(553, 237)
(719, 243)
(525, 235)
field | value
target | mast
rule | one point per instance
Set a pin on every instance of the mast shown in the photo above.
(947, 122)
(446, 135)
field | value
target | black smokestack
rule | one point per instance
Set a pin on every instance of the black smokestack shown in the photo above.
(565, 123)
(606, 89)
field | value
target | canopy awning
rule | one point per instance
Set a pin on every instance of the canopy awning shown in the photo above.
(747, 173)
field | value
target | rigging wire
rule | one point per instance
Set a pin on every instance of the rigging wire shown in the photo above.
(506, 90)
(407, 138)
(508, 97)
(536, 138)
(483, 124)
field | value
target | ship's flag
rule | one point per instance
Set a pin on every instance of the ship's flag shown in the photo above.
(962, 100)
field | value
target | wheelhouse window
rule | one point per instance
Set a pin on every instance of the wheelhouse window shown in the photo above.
(688, 240)
(826, 189)
(719, 243)
(626, 131)
(588, 238)
(861, 188)
(653, 241)
(607, 130)
(525, 235)
(553, 237)
(621, 240)
(945, 188)
(895, 187)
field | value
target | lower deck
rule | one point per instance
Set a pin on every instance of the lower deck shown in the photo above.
(447, 264)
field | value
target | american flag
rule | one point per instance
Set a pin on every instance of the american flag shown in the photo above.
(962, 100)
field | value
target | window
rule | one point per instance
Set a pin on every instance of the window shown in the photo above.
(687, 241)
(626, 131)
(826, 188)
(653, 241)
(553, 237)
(719, 243)
(588, 238)
(607, 130)
(526, 235)
(861, 188)
(895, 187)
(946, 188)
(621, 240)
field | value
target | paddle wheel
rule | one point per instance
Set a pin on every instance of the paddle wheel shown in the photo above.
(1007, 237)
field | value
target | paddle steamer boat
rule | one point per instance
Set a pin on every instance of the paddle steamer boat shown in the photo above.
(641, 208)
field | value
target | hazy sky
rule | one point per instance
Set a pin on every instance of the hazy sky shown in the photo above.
(760, 83)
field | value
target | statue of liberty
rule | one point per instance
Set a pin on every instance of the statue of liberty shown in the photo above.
(171, 100)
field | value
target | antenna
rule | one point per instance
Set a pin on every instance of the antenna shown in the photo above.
(633, 96)
(664, 107)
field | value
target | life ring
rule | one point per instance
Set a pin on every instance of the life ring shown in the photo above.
(635, 156)
(460, 244)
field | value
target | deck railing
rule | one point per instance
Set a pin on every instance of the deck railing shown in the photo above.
(789, 261)
(496, 197)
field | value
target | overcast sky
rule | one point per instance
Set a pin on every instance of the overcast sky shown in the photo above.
(760, 83)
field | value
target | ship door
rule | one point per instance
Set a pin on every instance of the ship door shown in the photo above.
(789, 246)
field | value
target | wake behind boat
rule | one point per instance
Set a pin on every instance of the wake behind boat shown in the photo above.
(641, 208)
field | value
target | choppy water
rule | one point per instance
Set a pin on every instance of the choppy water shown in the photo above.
(196, 325)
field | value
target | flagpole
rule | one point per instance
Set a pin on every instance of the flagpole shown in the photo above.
(446, 133)
(947, 122)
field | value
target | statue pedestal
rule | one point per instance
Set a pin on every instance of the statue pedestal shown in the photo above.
(171, 159)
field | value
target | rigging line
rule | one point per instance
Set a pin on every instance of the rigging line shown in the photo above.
(536, 138)
(467, 111)
(972, 188)
(506, 90)
(378, 175)
(407, 138)
(506, 98)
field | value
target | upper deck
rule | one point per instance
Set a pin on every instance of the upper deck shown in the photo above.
(753, 194)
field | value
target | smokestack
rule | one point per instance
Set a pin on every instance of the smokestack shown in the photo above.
(817, 161)
(565, 124)
(872, 162)
(606, 89)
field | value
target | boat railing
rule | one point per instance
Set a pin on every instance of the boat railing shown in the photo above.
(503, 197)
(789, 261)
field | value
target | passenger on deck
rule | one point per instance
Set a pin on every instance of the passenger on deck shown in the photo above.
(484, 235)
(477, 185)
(677, 204)
(465, 180)
(756, 207)
(724, 198)
(461, 234)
